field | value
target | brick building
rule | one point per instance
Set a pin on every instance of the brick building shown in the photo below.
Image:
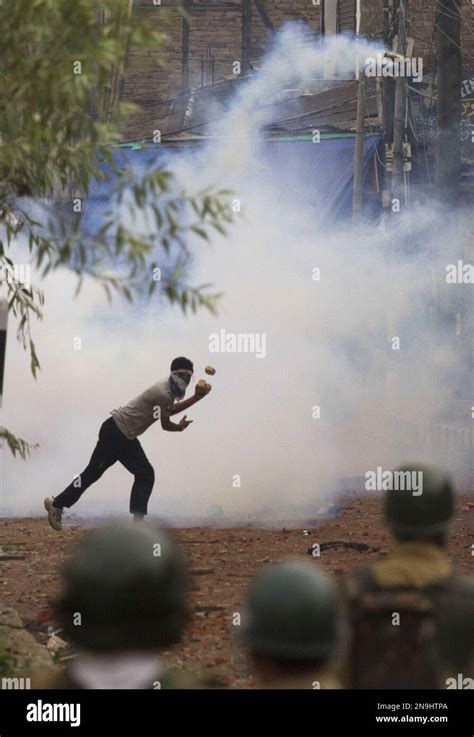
(206, 47)
(200, 68)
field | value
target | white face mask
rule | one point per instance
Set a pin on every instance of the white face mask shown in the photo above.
(179, 384)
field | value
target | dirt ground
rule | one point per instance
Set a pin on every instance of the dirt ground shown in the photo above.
(223, 562)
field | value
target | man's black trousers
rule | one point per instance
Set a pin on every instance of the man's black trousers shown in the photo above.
(111, 447)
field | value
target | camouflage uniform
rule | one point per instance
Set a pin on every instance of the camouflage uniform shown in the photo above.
(435, 605)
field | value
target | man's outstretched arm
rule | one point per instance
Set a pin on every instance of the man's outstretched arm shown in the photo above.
(185, 404)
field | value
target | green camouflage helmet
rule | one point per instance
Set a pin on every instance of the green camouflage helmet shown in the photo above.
(415, 513)
(124, 588)
(291, 612)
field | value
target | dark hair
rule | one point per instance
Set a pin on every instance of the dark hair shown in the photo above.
(182, 363)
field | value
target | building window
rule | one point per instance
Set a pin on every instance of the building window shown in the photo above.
(346, 16)
(338, 16)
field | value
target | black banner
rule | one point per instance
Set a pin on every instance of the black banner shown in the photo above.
(446, 712)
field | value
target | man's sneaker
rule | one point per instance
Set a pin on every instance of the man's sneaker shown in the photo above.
(54, 513)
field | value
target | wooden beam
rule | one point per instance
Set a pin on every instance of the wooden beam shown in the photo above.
(357, 200)
(185, 49)
(246, 35)
(448, 134)
(399, 115)
(259, 4)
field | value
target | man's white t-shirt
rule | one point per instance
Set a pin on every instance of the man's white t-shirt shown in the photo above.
(135, 417)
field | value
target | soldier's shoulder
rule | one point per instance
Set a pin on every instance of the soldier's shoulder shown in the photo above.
(359, 578)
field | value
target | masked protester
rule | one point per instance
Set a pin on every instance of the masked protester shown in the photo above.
(118, 441)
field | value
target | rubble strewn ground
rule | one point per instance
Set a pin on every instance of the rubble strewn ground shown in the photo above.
(222, 562)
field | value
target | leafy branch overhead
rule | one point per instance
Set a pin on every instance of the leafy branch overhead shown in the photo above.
(16, 445)
(60, 121)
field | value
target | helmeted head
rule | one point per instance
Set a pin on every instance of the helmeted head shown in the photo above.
(182, 370)
(291, 614)
(124, 588)
(425, 514)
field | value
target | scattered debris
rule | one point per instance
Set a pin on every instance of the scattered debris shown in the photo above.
(201, 571)
(69, 656)
(205, 609)
(44, 615)
(55, 644)
(21, 653)
(331, 544)
(213, 548)
(13, 544)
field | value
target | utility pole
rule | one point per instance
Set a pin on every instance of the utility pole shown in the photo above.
(359, 149)
(400, 110)
(360, 133)
(388, 102)
(185, 49)
(448, 136)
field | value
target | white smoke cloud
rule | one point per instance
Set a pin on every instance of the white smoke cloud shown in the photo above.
(328, 343)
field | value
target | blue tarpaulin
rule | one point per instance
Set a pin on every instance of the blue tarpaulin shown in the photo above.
(318, 174)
